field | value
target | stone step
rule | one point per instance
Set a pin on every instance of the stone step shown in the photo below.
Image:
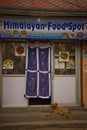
(32, 116)
(36, 119)
(36, 109)
(38, 125)
(40, 116)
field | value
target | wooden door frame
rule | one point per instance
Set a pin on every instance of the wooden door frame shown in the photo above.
(81, 77)
(82, 87)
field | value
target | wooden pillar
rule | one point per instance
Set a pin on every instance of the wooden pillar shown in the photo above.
(0, 75)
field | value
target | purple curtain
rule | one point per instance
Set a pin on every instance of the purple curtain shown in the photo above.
(43, 85)
(31, 83)
(32, 59)
(38, 72)
(43, 59)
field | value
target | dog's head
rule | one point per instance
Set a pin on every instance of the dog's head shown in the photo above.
(54, 105)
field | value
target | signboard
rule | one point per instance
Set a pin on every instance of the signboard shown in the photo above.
(43, 28)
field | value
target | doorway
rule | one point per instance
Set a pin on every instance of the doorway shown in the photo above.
(38, 83)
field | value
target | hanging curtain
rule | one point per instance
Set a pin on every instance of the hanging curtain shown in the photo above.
(44, 72)
(38, 72)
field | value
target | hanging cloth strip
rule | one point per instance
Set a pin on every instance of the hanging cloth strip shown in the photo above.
(38, 72)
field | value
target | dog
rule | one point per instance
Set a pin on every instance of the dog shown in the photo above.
(55, 109)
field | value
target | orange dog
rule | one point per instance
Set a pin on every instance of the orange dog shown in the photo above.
(55, 109)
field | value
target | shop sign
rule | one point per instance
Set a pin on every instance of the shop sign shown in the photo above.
(43, 28)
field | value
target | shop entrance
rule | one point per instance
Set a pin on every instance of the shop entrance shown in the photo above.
(38, 87)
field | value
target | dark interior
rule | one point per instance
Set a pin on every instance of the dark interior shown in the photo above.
(39, 101)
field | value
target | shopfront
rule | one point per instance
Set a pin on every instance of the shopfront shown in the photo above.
(42, 61)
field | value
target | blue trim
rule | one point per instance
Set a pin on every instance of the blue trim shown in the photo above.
(43, 38)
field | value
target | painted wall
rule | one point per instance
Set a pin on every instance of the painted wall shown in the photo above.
(13, 91)
(64, 91)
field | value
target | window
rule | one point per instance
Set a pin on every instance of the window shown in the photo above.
(64, 58)
(13, 57)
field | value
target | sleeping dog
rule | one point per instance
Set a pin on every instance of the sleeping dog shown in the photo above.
(55, 109)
